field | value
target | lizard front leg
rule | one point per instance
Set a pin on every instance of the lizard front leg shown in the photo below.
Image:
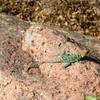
(66, 65)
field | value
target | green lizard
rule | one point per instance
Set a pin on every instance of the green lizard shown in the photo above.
(68, 58)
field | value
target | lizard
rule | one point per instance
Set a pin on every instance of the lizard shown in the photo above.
(68, 58)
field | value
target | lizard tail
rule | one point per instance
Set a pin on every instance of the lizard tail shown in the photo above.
(53, 61)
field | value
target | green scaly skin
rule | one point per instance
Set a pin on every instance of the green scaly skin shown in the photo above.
(67, 59)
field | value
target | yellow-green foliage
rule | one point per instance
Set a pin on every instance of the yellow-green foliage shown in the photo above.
(1, 8)
(90, 98)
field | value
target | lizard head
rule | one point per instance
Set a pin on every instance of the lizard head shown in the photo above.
(83, 53)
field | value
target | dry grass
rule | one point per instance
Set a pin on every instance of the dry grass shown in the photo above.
(77, 15)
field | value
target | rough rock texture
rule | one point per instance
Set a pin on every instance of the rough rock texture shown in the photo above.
(21, 78)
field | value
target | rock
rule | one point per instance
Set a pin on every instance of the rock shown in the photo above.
(21, 78)
(41, 41)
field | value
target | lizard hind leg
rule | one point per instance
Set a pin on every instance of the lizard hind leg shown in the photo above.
(59, 54)
(50, 55)
(66, 65)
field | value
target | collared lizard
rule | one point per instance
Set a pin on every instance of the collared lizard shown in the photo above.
(67, 58)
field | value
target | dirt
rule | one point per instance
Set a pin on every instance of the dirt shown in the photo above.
(21, 78)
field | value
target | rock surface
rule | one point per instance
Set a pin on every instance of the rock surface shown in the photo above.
(23, 79)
